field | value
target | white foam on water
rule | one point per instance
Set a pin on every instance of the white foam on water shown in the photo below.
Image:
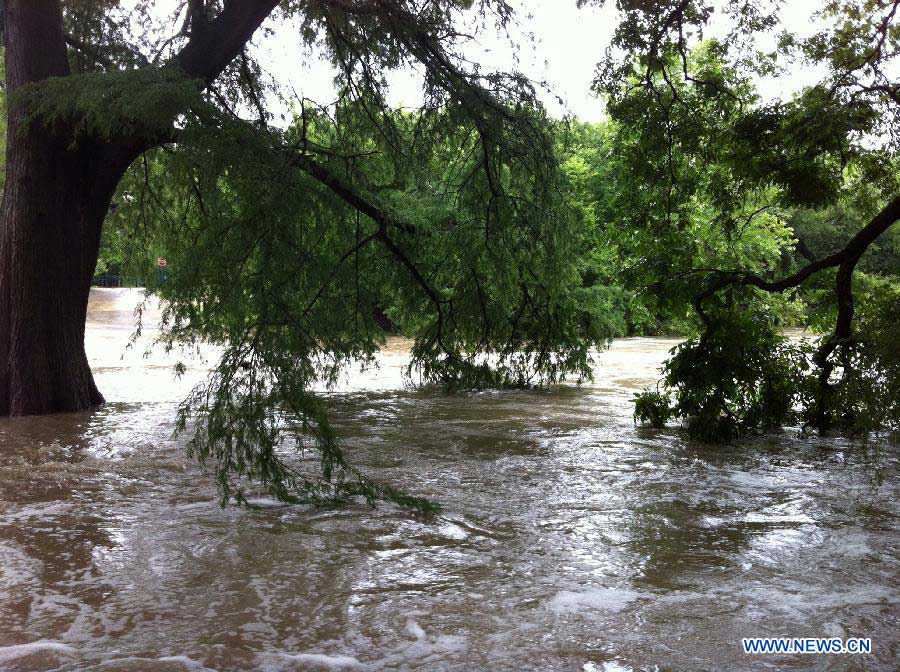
(606, 599)
(853, 544)
(764, 518)
(802, 603)
(40, 510)
(429, 649)
(753, 481)
(608, 666)
(265, 502)
(426, 652)
(712, 522)
(453, 531)
(188, 663)
(276, 662)
(8, 653)
(415, 629)
(18, 570)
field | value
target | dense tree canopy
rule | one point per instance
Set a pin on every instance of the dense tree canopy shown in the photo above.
(718, 182)
(507, 243)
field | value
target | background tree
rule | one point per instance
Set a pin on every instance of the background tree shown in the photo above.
(717, 155)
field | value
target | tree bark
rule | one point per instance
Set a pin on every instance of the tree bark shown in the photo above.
(50, 221)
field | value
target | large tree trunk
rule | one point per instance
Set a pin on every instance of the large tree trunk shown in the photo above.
(50, 221)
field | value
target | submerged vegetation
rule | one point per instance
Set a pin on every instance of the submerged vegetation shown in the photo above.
(507, 243)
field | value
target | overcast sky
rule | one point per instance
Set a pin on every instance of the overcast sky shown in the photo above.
(552, 41)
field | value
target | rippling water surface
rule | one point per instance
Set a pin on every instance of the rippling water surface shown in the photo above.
(570, 539)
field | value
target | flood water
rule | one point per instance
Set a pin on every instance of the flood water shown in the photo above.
(570, 539)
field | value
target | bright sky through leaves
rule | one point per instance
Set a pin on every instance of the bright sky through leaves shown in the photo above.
(554, 42)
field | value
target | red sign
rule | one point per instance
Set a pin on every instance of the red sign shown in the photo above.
(160, 262)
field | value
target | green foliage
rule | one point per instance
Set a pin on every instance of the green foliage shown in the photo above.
(744, 377)
(721, 190)
(283, 244)
(653, 407)
(136, 103)
(800, 146)
(865, 395)
(666, 198)
(740, 377)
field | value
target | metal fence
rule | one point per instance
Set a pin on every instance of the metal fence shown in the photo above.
(154, 278)
(114, 280)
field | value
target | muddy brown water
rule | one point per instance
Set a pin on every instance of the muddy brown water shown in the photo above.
(570, 538)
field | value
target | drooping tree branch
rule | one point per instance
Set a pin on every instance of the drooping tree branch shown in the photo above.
(90, 52)
(359, 202)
